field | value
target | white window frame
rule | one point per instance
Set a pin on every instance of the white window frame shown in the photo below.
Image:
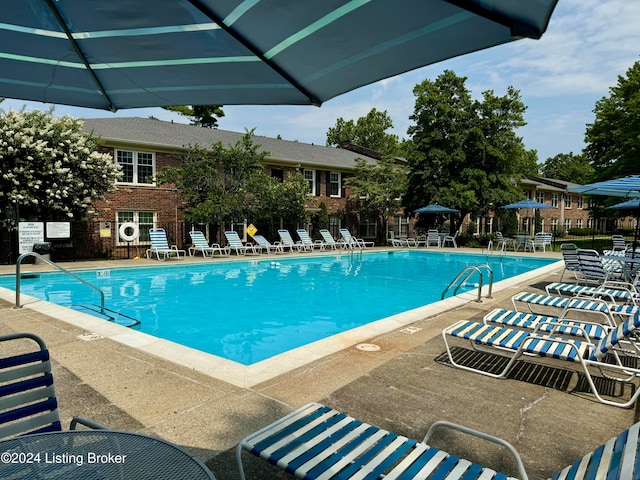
(580, 202)
(540, 197)
(567, 224)
(123, 216)
(578, 223)
(567, 201)
(311, 179)
(554, 200)
(136, 165)
(338, 183)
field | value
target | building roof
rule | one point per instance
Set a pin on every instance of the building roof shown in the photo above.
(172, 136)
(549, 184)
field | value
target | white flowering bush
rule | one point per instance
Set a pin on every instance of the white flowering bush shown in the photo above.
(49, 168)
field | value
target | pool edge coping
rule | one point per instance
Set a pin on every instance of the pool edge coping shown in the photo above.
(247, 376)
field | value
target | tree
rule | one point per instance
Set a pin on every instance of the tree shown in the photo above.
(278, 202)
(368, 132)
(465, 153)
(213, 181)
(568, 167)
(49, 168)
(377, 189)
(200, 115)
(613, 141)
(225, 184)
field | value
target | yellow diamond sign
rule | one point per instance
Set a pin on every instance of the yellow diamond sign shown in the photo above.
(251, 229)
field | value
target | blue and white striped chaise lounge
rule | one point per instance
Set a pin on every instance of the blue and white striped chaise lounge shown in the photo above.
(317, 442)
(589, 331)
(500, 339)
(583, 304)
(614, 291)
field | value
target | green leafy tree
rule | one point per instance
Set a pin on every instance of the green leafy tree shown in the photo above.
(200, 115)
(277, 203)
(49, 168)
(377, 190)
(568, 167)
(465, 153)
(214, 182)
(613, 139)
(369, 132)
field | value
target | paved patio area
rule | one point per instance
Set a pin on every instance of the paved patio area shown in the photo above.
(403, 387)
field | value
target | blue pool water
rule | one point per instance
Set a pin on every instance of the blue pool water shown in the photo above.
(250, 310)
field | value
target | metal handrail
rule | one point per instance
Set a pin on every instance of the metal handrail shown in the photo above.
(470, 270)
(55, 265)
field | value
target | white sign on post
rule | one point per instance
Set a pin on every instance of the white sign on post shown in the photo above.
(28, 234)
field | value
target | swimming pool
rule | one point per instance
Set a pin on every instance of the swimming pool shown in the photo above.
(253, 309)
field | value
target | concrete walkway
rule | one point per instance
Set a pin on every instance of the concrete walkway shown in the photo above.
(400, 387)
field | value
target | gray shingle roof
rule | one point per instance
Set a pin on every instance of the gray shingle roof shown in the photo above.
(177, 136)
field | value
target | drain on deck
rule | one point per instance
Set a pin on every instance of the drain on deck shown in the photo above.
(368, 347)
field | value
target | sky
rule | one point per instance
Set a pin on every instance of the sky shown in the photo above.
(587, 46)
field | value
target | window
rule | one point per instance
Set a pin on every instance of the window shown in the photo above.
(137, 167)
(580, 202)
(540, 197)
(554, 200)
(400, 226)
(144, 220)
(567, 201)
(579, 223)
(334, 184)
(567, 224)
(368, 228)
(310, 176)
(554, 224)
(277, 173)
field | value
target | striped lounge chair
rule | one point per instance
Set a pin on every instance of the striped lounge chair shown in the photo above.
(590, 331)
(160, 246)
(318, 442)
(513, 344)
(307, 243)
(577, 304)
(352, 242)
(328, 240)
(570, 256)
(613, 291)
(234, 243)
(286, 240)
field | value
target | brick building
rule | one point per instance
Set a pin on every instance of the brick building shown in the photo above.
(144, 146)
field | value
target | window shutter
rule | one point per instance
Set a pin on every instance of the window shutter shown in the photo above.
(317, 182)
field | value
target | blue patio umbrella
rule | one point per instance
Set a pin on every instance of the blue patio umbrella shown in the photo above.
(436, 208)
(129, 53)
(526, 203)
(628, 187)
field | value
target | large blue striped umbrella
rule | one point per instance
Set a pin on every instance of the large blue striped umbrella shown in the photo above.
(619, 187)
(131, 53)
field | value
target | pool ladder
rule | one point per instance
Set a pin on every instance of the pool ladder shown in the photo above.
(55, 265)
(465, 274)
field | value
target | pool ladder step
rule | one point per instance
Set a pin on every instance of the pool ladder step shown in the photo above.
(108, 314)
(465, 274)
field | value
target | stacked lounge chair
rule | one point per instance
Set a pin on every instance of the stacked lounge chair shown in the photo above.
(514, 344)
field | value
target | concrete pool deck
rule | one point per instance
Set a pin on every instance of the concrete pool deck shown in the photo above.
(401, 387)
